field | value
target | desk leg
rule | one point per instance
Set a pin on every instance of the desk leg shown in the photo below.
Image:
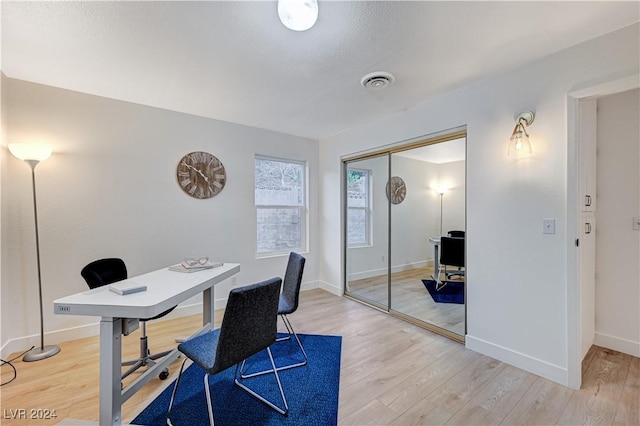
(208, 303)
(110, 371)
(436, 263)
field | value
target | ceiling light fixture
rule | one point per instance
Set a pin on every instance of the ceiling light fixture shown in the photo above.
(519, 144)
(298, 15)
(377, 80)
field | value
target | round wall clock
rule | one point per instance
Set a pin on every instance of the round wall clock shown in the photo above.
(396, 190)
(201, 175)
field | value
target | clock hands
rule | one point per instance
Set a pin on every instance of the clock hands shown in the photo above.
(197, 171)
(398, 188)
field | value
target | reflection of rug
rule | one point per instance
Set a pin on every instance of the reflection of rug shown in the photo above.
(311, 391)
(453, 292)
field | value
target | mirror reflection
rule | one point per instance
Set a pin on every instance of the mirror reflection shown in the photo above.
(405, 231)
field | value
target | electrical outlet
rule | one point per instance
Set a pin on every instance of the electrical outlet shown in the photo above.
(548, 226)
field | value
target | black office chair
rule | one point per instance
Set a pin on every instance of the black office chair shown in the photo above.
(451, 254)
(107, 271)
(456, 234)
(249, 326)
(288, 304)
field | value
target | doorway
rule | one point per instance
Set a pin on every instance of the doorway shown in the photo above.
(398, 203)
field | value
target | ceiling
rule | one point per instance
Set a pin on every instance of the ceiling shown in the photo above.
(235, 61)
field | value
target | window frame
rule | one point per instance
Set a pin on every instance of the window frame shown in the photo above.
(303, 210)
(367, 209)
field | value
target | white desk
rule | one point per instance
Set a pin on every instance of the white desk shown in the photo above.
(164, 289)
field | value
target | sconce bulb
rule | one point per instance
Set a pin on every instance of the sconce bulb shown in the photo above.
(519, 144)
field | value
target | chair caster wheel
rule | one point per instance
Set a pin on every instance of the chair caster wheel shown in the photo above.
(164, 374)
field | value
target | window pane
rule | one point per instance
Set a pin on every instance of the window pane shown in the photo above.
(357, 188)
(279, 183)
(357, 226)
(279, 229)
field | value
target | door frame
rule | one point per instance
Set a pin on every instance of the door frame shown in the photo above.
(574, 203)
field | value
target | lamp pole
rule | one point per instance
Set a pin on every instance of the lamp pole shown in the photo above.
(32, 158)
(441, 200)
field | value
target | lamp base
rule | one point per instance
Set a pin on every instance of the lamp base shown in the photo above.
(37, 354)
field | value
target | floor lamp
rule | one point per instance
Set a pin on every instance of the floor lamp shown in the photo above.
(32, 155)
(441, 191)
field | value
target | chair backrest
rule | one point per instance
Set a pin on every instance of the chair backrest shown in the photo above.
(457, 234)
(249, 324)
(452, 251)
(291, 284)
(104, 271)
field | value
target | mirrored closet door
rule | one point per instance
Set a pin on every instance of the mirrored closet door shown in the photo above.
(405, 209)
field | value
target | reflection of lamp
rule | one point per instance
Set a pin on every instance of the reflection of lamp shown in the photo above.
(32, 155)
(441, 190)
(298, 15)
(519, 144)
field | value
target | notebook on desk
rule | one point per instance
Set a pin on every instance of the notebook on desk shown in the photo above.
(123, 288)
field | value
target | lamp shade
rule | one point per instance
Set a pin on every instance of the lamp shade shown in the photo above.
(298, 15)
(26, 152)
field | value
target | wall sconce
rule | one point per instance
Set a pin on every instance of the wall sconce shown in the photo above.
(519, 144)
(298, 15)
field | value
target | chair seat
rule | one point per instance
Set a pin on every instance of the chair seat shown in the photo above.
(202, 349)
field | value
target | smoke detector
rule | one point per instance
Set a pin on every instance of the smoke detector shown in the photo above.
(377, 80)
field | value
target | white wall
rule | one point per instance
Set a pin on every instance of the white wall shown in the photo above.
(517, 305)
(617, 244)
(110, 189)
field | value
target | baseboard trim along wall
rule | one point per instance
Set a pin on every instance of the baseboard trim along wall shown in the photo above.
(56, 337)
(535, 366)
(619, 344)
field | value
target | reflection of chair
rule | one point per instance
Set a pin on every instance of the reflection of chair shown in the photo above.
(249, 325)
(107, 271)
(451, 254)
(289, 304)
(456, 234)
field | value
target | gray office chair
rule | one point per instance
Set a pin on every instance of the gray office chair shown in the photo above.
(288, 304)
(110, 270)
(451, 254)
(249, 326)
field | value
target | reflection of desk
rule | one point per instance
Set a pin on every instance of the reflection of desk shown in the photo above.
(436, 257)
(164, 289)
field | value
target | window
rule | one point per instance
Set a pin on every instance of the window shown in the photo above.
(280, 205)
(358, 207)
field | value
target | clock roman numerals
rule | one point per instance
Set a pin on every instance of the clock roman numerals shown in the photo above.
(201, 175)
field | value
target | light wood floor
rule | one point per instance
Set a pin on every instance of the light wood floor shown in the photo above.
(410, 297)
(392, 373)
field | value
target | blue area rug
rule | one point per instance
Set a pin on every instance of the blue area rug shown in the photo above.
(311, 391)
(453, 292)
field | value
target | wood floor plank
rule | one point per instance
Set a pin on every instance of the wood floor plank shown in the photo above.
(542, 404)
(629, 407)
(602, 386)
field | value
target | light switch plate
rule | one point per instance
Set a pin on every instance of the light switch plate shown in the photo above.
(636, 223)
(548, 226)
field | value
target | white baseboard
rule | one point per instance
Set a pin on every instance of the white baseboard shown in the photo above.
(382, 271)
(56, 337)
(536, 366)
(619, 344)
(336, 290)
